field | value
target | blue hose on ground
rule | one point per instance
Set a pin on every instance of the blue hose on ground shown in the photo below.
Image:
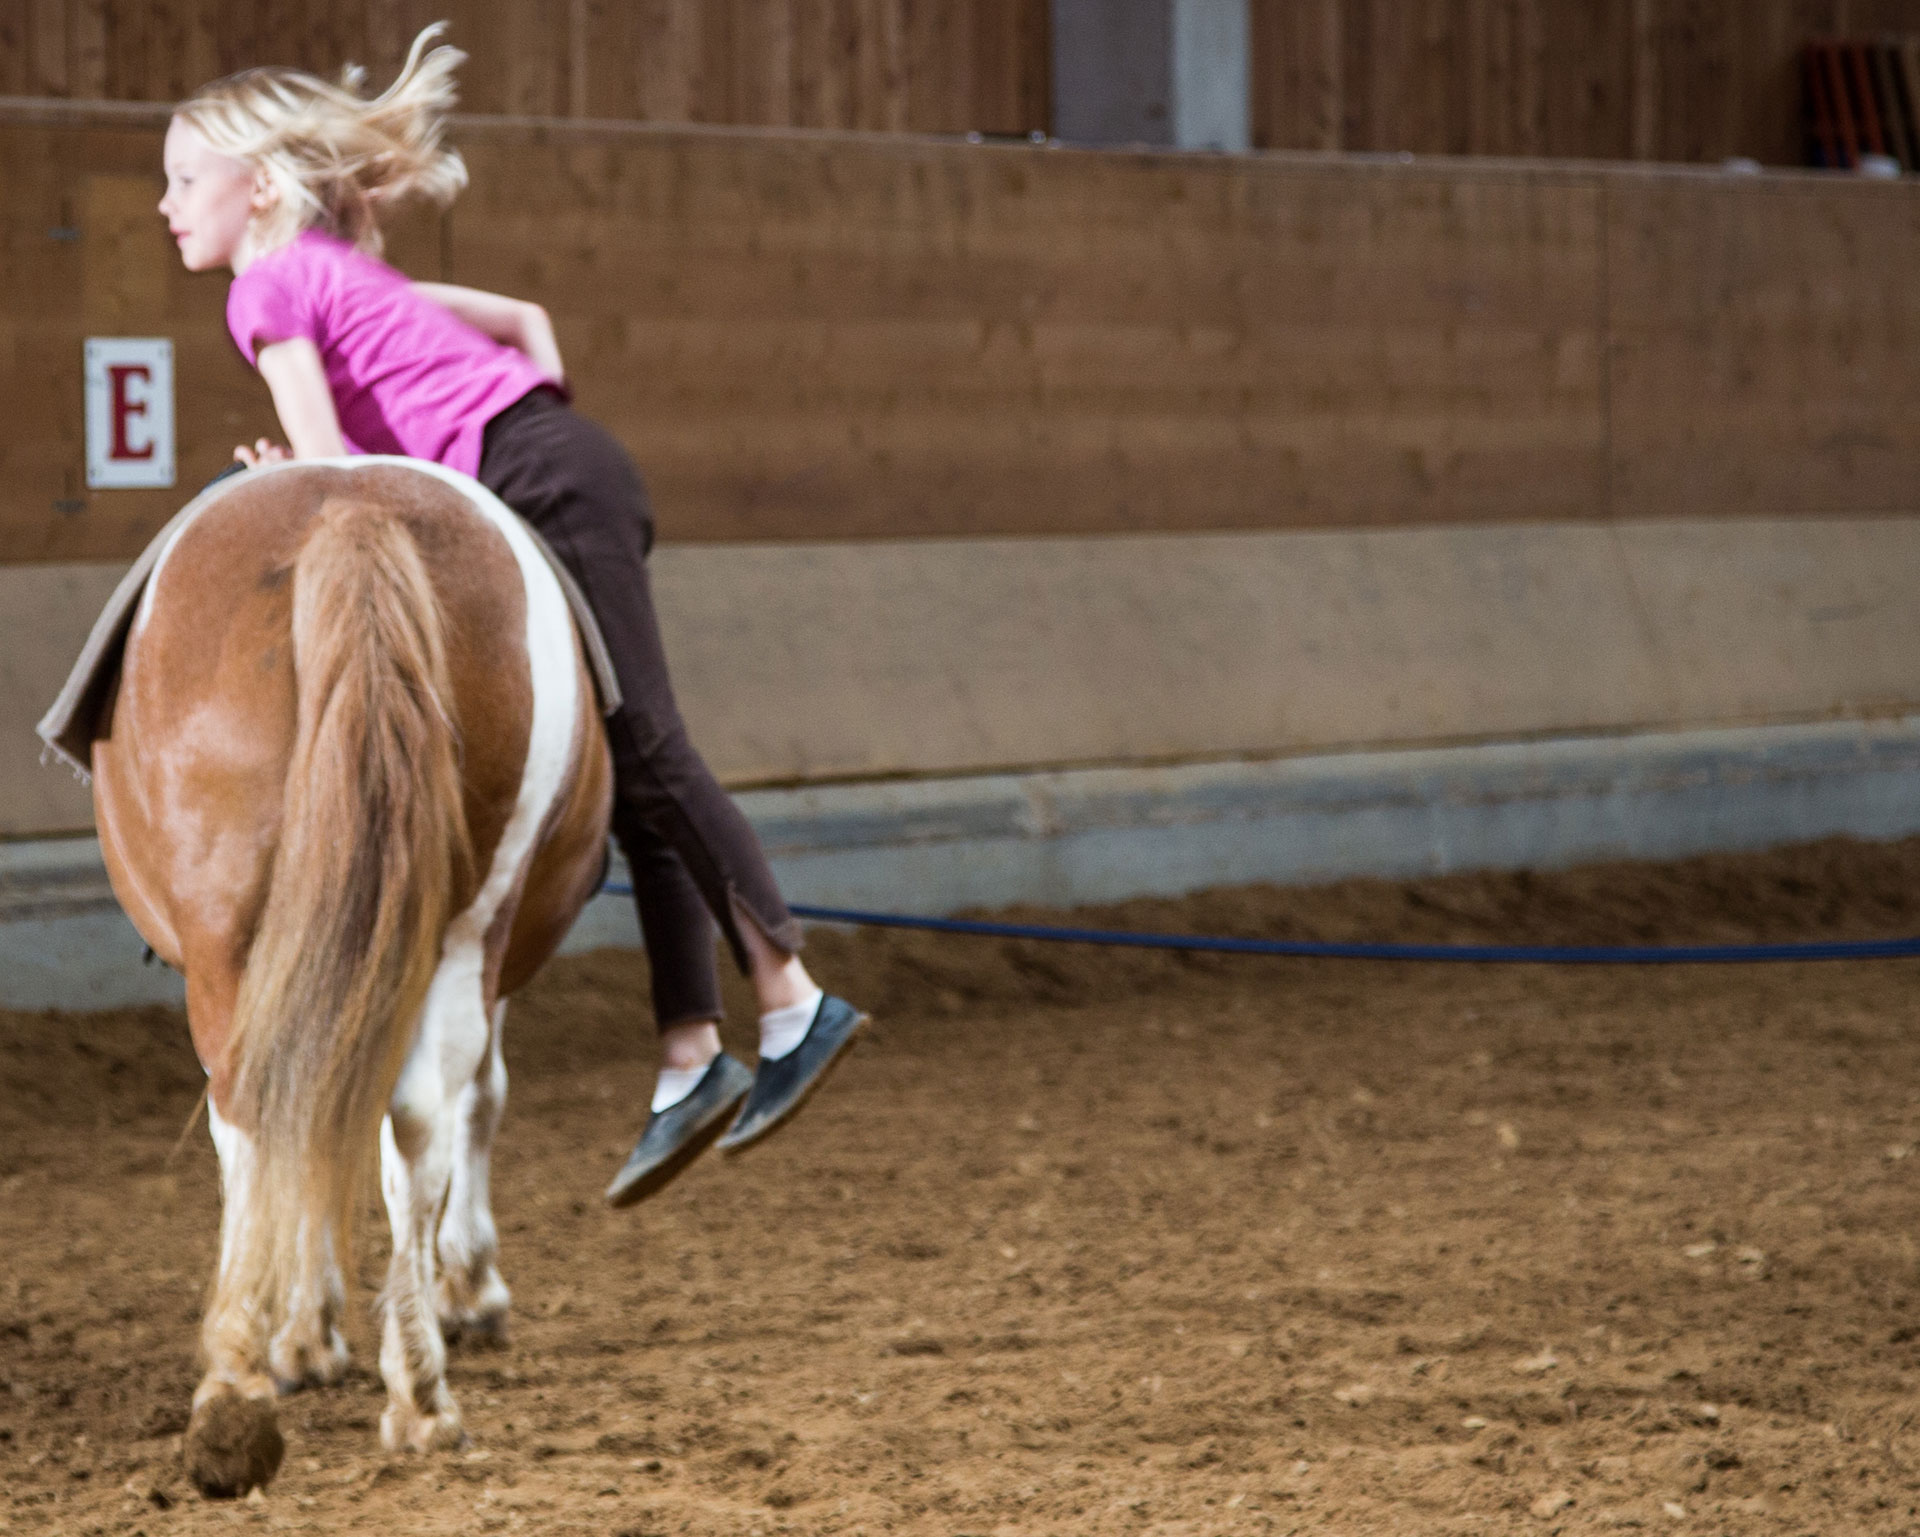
(1336, 950)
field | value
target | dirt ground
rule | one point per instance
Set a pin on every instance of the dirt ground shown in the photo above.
(1085, 1242)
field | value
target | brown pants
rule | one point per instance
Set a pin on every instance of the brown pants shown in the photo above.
(691, 851)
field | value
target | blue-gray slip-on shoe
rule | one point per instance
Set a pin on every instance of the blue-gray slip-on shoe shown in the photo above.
(783, 1085)
(681, 1133)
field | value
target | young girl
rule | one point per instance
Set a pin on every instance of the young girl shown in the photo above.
(281, 177)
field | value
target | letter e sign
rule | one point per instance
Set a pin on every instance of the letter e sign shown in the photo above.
(129, 411)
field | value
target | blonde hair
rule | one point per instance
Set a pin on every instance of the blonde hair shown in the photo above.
(337, 158)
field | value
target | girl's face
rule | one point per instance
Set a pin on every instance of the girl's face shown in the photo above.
(211, 200)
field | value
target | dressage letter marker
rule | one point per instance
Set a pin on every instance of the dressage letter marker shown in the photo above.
(129, 411)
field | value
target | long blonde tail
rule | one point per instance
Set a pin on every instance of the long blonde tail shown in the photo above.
(374, 853)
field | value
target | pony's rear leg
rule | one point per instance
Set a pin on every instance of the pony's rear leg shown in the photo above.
(416, 1159)
(473, 1298)
(308, 1349)
(233, 1440)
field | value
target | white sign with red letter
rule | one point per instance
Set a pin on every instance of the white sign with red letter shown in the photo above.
(129, 411)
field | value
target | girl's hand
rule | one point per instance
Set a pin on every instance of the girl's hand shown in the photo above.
(261, 453)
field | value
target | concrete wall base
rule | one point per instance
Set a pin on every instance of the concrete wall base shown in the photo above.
(1093, 835)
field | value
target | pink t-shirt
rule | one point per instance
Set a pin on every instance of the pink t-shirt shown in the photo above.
(407, 376)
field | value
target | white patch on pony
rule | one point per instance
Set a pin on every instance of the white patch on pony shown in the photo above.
(472, 1297)
(556, 707)
(234, 1146)
(235, 1150)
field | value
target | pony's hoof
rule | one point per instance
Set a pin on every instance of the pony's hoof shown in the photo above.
(233, 1445)
(403, 1429)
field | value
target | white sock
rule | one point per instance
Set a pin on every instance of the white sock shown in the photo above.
(783, 1029)
(675, 1084)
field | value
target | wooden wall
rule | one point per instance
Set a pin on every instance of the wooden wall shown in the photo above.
(815, 336)
(1674, 80)
(947, 67)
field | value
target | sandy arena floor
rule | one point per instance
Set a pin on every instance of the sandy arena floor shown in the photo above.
(1097, 1243)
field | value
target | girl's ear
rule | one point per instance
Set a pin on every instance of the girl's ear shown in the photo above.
(264, 195)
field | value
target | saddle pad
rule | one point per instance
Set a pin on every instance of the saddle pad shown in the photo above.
(79, 712)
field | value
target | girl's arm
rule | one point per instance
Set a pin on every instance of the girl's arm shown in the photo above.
(517, 323)
(303, 400)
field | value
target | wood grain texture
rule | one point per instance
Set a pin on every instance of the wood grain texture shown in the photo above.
(1674, 80)
(1762, 344)
(954, 66)
(1677, 80)
(811, 336)
(856, 339)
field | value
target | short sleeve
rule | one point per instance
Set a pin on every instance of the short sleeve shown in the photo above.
(268, 303)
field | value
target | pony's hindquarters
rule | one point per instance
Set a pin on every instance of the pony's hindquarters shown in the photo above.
(373, 862)
(354, 817)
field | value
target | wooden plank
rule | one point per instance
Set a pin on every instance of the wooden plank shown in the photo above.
(874, 65)
(815, 102)
(1034, 46)
(662, 54)
(387, 38)
(126, 55)
(766, 31)
(1439, 70)
(881, 87)
(986, 96)
(806, 342)
(46, 51)
(1299, 73)
(1358, 130)
(486, 79)
(1864, 18)
(1655, 79)
(841, 63)
(820, 337)
(1699, 115)
(16, 47)
(1644, 100)
(1005, 89)
(935, 90)
(89, 42)
(1762, 336)
(805, 338)
(1587, 81)
(536, 37)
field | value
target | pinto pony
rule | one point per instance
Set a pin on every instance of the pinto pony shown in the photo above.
(354, 788)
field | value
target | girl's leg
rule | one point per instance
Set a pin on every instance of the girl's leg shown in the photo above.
(699, 1090)
(661, 782)
(575, 484)
(679, 936)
